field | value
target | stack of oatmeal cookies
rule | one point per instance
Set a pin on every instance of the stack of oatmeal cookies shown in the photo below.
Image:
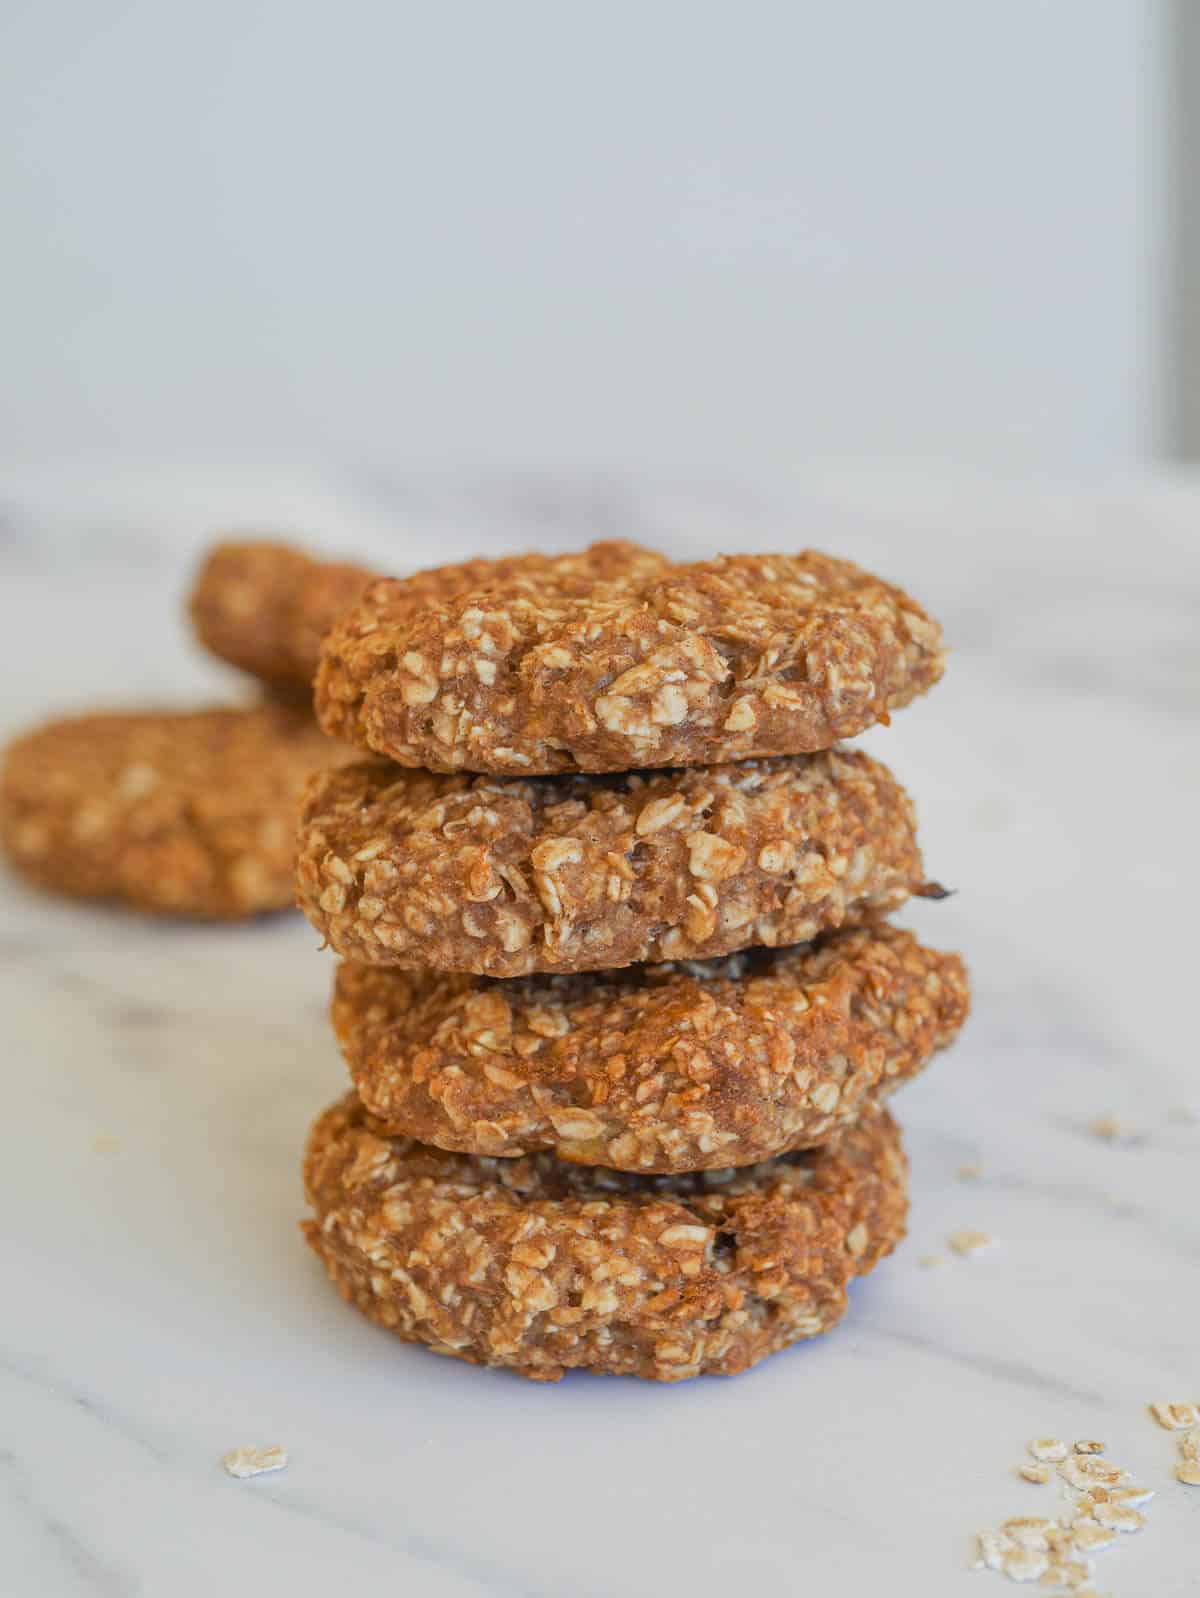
(617, 994)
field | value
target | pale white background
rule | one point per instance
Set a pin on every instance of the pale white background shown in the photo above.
(679, 236)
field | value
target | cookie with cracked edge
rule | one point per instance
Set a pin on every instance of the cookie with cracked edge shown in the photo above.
(662, 1068)
(545, 1267)
(641, 663)
(188, 813)
(505, 877)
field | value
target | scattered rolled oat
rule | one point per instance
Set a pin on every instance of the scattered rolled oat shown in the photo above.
(1071, 1573)
(1176, 1417)
(1118, 1517)
(931, 1261)
(1134, 1496)
(970, 1173)
(1057, 1552)
(1189, 1445)
(969, 1242)
(1091, 1537)
(1085, 1471)
(1029, 1531)
(1188, 1472)
(992, 1547)
(243, 1462)
(1025, 1564)
(1106, 1127)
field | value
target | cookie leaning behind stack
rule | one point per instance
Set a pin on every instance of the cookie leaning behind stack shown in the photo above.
(187, 812)
(619, 1033)
(177, 812)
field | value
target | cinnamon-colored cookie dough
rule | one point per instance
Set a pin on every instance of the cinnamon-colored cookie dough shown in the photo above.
(553, 667)
(658, 1067)
(545, 1267)
(505, 877)
(183, 812)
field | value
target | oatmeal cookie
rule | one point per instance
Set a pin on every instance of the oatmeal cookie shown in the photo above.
(183, 812)
(545, 1267)
(645, 664)
(658, 1067)
(265, 607)
(504, 877)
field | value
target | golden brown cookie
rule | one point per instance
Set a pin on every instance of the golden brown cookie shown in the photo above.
(505, 877)
(551, 668)
(657, 1067)
(183, 812)
(265, 607)
(545, 1267)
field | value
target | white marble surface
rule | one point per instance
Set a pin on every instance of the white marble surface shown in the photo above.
(159, 1308)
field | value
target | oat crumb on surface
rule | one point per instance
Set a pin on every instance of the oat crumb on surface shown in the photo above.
(1038, 1474)
(969, 1242)
(1127, 1495)
(1110, 1129)
(930, 1262)
(1118, 1517)
(1176, 1417)
(1051, 1448)
(246, 1461)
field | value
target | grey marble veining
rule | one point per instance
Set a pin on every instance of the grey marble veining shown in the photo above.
(160, 1308)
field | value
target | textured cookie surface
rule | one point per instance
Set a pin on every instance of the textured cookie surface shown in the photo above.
(657, 1067)
(189, 813)
(545, 1267)
(265, 607)
(504, 876)
(554, 667)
